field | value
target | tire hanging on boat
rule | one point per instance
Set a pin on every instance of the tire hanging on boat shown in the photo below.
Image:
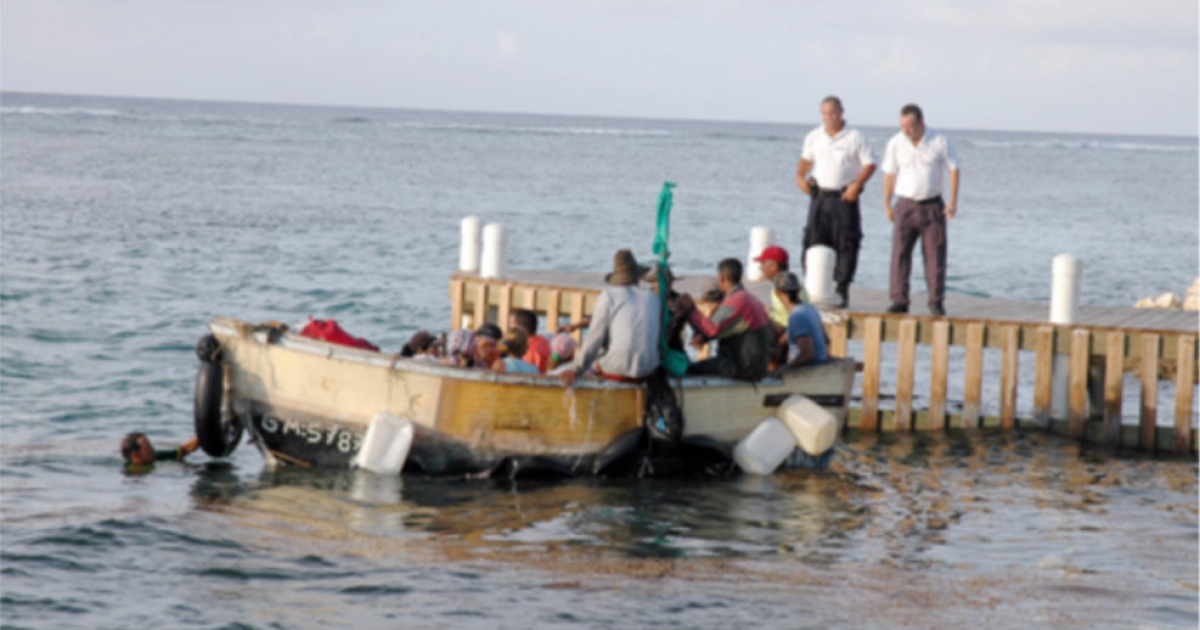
(218, 436)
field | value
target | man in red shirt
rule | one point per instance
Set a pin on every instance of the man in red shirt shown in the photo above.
(539, 347)
(741, 325)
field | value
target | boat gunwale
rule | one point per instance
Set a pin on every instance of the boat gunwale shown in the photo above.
(223, 326)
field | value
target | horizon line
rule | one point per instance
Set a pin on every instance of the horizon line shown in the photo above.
(218, 101)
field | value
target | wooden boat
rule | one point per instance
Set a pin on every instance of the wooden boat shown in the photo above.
(309, 403)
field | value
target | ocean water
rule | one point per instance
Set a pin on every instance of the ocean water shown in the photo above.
(126, 224)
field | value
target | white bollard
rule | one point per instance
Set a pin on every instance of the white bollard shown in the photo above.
(760, 239)
(468, 255)
(495, 252)
(1064, 308)
(1064, 290)
(818, 275)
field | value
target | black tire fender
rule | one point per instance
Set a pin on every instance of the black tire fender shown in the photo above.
(623, 446)
(218, 436)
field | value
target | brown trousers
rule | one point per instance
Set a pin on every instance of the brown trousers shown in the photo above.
(927, 221)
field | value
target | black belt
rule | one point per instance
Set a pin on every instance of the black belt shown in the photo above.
(921, 201)
(831, 192)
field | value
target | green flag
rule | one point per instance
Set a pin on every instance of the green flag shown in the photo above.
(674, 361)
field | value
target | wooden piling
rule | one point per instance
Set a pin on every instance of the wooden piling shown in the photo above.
(872, 338)
(457, 296)
(1043, 383)
(1114, 371)
(938, 369)
(1184, 377)
(973, 378)
(1148, 420)
(905, 364)
(1008, 376)
(481, 305)
(505, 307)
(1077, 394)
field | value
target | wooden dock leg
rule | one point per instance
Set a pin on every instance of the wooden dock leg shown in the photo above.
(577, 312)
(938, 369)
(1148, 419)
(905, 365)
(1008, 377)
(530, 303)
(872, 337)
(1077, 397)
(839, 335)
(481, 305)
(1114, 371)
(505, 308)
(457, 289)
(1043, 374)
(1185, 364)
(973, 381)
(552, 312)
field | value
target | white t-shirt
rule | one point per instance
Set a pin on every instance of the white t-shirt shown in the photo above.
(837, 160)
(920, 168)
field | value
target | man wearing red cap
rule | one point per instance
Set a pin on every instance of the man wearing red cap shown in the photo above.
(772, 261)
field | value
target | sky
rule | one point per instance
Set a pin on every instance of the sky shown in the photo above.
(1088, 66)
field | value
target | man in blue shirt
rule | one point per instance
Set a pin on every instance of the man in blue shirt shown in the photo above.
(805, 332)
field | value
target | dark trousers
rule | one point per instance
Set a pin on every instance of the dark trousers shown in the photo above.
(927, 221)
(837, 224)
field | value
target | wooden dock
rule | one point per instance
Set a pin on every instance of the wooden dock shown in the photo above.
(1105, 343)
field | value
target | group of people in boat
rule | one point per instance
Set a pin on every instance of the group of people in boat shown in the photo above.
(623, 333)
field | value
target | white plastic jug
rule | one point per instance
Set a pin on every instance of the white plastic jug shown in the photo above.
(386, 445)
(767, 446)
(813, 426)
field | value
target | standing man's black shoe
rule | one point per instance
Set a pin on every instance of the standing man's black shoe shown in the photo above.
(898, 308)
(937, 311)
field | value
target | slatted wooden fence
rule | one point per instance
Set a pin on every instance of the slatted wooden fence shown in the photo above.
(1153, 353)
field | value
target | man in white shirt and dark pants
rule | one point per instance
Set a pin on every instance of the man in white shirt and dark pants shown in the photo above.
(913, 167)
(840, 164)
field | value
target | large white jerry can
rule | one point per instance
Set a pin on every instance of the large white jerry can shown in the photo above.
(767, 446)
(386, 445)
(814, 427)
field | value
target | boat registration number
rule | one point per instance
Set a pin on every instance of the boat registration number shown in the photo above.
(341, 439)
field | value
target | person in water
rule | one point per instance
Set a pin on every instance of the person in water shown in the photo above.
(138, 452)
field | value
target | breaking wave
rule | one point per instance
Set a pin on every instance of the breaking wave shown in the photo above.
(534, 130)
(1097, 145)
(62, 111)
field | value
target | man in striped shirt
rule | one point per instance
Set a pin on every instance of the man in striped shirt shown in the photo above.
(741, 325)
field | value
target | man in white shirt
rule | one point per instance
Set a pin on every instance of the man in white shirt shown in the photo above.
(622, 337)
(834, 166)
(913, 167)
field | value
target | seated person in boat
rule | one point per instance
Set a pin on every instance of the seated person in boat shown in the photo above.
(562, 351)
(423, 346)
(677, 323)
(510, 350)
(622, 341)
(740, 323)
(139, 454)
(460, 349)
(772, 262)
(805, 335)
(539, 347)
(485, 352)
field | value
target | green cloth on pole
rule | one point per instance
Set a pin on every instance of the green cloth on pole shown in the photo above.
(674, 361)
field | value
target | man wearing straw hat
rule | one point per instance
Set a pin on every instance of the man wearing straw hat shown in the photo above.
(622, 339)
